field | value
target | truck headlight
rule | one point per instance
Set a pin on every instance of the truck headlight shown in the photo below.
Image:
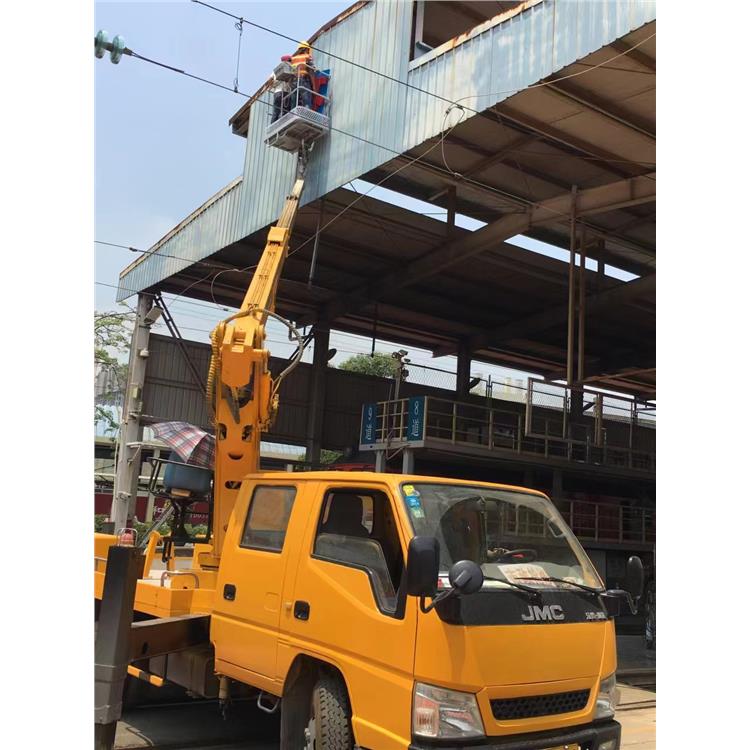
(606, 700)
(441, 713)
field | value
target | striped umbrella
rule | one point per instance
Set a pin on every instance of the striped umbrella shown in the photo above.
(192, 444)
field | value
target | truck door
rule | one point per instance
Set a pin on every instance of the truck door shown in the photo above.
(245, 620)
(347, 605)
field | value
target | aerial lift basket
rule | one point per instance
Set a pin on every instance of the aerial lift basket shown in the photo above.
(299, 124)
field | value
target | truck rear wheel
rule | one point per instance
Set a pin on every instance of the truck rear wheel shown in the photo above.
(329, 726)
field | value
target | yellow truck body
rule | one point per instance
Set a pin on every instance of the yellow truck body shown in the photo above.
(289, 598)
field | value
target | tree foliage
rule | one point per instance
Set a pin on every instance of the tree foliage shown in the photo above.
(380, 364)
(112, 332)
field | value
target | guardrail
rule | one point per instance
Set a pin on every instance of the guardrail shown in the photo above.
(607, 522)
(486, 428)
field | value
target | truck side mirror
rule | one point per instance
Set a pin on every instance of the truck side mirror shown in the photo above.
(422, 566)
(634, 577)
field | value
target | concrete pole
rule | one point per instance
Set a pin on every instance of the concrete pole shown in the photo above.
(407, 462)
(317, 393)
(129, 451)
(380, 462)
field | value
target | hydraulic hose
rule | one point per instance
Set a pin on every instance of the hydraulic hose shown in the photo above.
(218, 334)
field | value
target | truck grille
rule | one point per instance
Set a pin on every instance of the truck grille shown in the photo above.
(530, 706)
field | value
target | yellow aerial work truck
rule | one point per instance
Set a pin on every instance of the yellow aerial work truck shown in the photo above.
(377, 611)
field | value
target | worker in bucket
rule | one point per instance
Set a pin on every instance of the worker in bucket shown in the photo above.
(305, 75)
(281, 91)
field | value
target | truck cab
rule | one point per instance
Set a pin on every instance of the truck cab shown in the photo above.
(327, 597)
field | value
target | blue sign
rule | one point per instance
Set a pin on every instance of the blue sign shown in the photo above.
(415, 428)
(369, 424)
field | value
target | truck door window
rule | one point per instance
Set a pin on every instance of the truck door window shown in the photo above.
(357, 528)
(267, 518)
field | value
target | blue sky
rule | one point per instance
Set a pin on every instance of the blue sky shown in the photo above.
(163, 145)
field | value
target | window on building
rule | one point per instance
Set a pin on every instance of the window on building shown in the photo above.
(435, 23)
(358, 528)
(268, 518)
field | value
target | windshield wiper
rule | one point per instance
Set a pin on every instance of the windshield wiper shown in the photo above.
(528, 589)
(590, 589)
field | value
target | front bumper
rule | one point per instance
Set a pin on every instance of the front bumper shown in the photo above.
(589, 737)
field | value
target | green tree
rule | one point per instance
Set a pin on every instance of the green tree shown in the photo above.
(380, 364)
(112, 332)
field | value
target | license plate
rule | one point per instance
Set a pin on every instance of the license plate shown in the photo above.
(574, 746)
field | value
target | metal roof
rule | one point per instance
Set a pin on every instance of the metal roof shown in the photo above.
(512, 166)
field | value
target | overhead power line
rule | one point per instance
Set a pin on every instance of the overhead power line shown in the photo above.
(514, 199)
(401, 82)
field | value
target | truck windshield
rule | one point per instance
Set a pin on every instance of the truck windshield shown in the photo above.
(513, 536)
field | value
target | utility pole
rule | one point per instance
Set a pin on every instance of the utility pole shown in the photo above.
(131, 431)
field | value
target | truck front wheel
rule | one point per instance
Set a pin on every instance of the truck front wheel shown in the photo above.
(329, 726)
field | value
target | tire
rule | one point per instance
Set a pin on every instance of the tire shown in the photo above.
(329, 718)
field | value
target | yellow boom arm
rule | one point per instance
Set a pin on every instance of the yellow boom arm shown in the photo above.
(240, 387)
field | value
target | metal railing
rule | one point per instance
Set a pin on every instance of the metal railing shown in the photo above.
(591, 521)
(618, 421)
(609, 522)
(487, 428)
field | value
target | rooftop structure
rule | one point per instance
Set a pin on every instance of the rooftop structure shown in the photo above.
(498, 123)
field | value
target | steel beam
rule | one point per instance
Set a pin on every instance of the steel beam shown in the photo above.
(592, 201)
(571, 286)
(635, 54)
(163, 635)
(316, 395)
(487, 160)
(572, 92)
(463, 372)
(553, 316)
(615, 163)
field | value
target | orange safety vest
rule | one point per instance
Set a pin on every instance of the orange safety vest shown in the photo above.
(302, 63)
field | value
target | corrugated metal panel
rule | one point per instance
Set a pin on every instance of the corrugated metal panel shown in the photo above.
(206, 230)
(169, 393)
(496, 60)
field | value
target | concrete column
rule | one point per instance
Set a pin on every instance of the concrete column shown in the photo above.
(407, 463)
(316, 398)
(463, 371)
(131, 432)
(380, 461)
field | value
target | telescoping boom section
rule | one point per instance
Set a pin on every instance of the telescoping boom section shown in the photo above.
(243, 394)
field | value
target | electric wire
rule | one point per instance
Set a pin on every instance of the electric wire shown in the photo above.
(453, 103)
(517, 202)
(514, 198)
(498, 191)
(406, 83)
(361, 196)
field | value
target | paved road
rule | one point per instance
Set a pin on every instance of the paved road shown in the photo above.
(638, 729)
(200, 727)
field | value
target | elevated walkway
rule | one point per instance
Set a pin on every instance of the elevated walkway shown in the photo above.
(524, 434)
